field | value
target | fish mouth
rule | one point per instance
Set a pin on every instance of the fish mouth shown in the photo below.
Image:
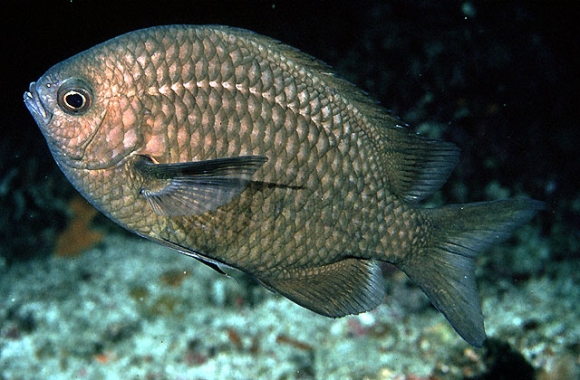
(35, 106)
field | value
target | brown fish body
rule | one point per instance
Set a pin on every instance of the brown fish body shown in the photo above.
(236, 149)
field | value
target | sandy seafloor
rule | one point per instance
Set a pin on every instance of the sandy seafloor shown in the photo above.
(130, 309)
(499, 79)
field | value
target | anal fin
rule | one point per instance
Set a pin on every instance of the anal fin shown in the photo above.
(350, 286)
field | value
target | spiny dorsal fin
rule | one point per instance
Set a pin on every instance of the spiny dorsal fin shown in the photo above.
(350, 286)
(418, 166)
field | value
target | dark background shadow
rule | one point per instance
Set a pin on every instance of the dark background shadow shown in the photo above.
(499, 78)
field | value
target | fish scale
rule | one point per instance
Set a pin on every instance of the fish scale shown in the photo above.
(243, 152)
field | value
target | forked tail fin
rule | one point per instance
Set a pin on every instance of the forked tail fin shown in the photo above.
(444, 268)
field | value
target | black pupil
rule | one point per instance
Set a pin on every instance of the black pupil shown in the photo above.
(74, 100)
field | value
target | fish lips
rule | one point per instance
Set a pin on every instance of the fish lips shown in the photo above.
(34, 104)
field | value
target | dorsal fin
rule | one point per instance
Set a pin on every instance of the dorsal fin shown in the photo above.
(417, 166)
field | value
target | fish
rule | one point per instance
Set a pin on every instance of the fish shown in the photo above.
(242, 152)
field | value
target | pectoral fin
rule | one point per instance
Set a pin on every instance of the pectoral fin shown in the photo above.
(193, 188)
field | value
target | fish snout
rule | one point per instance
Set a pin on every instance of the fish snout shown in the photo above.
(34, 104)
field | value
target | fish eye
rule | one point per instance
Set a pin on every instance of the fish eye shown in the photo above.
(74, 96)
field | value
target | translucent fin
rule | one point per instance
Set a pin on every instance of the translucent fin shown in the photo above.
(193, 188)
(445, 268)
(417, 166)
(350, 286)
(201, 257)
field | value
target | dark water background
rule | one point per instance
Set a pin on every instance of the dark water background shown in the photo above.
(500, 78)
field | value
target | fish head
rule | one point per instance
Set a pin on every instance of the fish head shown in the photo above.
(86, 119)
